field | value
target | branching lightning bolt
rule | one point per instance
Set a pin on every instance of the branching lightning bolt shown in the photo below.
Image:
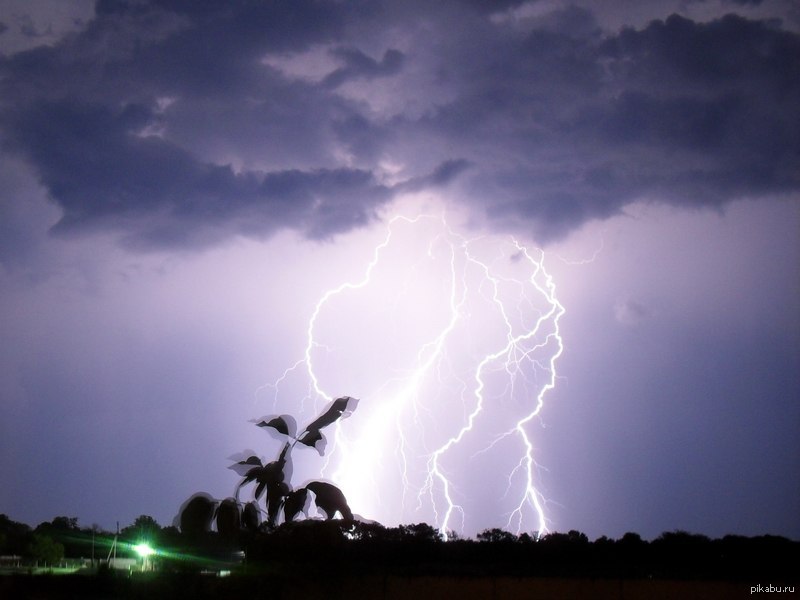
(411, 411)
(511, 354)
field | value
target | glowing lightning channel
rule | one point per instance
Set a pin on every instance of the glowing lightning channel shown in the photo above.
(514, 345)
(532, 495)
(494, 320)
(311, 343)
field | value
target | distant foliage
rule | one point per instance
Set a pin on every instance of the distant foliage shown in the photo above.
(45, 550)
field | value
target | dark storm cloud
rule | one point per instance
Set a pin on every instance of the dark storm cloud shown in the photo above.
(491, 6)
(83, 110)
(718, 95)
(684, 112)
(102, 174)
(167, 118)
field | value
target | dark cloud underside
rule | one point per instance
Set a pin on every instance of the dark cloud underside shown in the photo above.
(167, 121)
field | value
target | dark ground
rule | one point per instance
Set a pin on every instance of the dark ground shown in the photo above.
(201, 587)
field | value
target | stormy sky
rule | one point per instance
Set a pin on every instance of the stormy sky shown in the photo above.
(181, 181)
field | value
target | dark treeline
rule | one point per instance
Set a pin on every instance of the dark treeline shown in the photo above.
(62, 538)
(337, 547)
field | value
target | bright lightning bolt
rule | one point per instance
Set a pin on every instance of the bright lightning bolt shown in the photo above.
(451, 343)
(510, 355)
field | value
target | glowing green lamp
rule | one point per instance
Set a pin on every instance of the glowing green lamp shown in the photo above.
(143, 550)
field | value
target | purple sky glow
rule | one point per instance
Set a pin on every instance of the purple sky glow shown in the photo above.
(182, 182)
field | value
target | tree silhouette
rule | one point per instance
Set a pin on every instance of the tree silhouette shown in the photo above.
(45, 549)
(272, 480)
(272, 477)
(144, 527)
(496, 536)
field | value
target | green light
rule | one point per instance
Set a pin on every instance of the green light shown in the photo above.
(143, 550)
